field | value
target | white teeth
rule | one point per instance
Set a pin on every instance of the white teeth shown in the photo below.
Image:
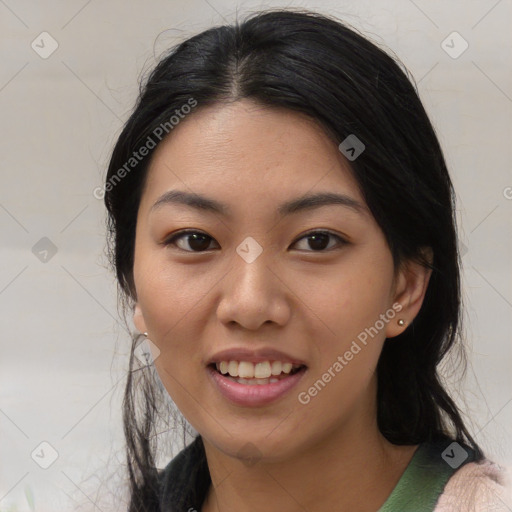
(252, 382)
(262, 370)
(233, 368)
(250, 372)
(287, 367)
(276, 367)
(245, 370)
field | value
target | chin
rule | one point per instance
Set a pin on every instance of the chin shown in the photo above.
(252, 447)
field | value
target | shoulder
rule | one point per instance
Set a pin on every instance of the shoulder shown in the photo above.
(477, 487)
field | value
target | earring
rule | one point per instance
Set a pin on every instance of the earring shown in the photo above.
(145, 334)
(401, 322)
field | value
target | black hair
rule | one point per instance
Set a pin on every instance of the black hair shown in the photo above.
(316, 65)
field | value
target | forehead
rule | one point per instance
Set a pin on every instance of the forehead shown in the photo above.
(244, 151)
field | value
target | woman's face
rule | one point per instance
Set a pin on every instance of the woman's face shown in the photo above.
(254, 282)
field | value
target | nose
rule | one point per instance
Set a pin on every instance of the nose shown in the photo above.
(253, 294)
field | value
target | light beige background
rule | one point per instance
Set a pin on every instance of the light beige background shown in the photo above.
(63, 352)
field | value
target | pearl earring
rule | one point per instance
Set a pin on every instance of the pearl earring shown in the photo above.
(145, 334)
(401, 322)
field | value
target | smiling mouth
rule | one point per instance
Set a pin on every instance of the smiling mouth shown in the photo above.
(260, 374)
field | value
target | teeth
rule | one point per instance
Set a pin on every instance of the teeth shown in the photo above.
(276, 367)
(245, 370)
(262, 370)
(233, 368)
(252, 382)
(250, 372)
(287, 367)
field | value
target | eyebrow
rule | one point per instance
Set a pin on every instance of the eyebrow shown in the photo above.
(307, 202)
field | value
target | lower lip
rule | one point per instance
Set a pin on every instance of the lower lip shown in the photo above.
(257, 394)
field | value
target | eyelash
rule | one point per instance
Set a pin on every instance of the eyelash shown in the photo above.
(181, 234)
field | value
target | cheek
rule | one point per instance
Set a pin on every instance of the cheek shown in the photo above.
(348, 302)
(168, 293)
(347, 350)
(170, 300)
(347, 308)
(171, 304)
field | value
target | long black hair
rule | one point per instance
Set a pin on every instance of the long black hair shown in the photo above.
(316, 65)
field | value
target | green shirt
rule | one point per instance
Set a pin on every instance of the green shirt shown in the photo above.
(426, 475)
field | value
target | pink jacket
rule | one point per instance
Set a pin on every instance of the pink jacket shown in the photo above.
(477, 487)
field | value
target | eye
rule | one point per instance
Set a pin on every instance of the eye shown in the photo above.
(317, 240)
(199, 242)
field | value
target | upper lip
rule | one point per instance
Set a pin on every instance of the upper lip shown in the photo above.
(254, 356)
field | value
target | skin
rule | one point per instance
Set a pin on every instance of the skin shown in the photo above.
(309, 303)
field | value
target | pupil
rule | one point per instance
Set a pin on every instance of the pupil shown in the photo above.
(196, 243)
(318, 241)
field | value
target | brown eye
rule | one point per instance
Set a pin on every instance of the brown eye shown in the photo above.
(318, 240)
(197, 241)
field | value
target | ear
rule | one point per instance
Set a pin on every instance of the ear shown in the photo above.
(411, 285)
(138, 319)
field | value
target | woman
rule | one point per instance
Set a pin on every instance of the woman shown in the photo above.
(282, 228)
